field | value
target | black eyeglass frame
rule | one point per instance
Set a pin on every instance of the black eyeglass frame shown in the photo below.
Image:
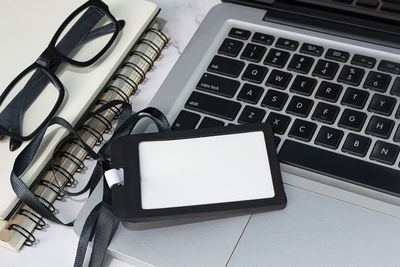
(94, 3)
(50, 59)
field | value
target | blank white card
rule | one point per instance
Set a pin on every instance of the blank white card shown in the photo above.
(206, 170)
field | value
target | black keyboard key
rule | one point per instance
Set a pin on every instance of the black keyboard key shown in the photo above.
(396, 137)
(356, 145)
(377, 81)
(278, 122)
(389, 66)
(302, 130)
(385, 152)
(363, 61)
(382, 104)
(239, 33)
(250, 93)
(262, 38)
(279, 79)
(368, 3)
(303, 85)
(253, 52)
(301, 64)
(226, 66)
(329, 91)
(351, 75)
(185, 121)
(251, 115)
(396, 87)
(299, 106)
(353, 120)
(326, 69)
(274, 100)
(276, 58)
(340, 166)
(391, 6)
(310, 49)
(287, 44)
(325, 113)
(380, 127)
(210, 123)
(277, 141)
(214, 106)
(397, 113)
(329, 137)
(218, 85)
(254, 73)
(355, 98)
(337, 55)
(230, 47)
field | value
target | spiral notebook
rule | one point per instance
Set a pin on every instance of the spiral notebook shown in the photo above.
(140, 44)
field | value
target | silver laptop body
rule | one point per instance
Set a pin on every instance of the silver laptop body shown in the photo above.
(328, 221)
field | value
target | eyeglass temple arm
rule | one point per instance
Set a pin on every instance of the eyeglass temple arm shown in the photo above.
(106, 29)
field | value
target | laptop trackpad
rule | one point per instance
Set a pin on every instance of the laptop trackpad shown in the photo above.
(315, 230)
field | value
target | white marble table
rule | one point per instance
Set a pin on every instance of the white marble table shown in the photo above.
(57, 244)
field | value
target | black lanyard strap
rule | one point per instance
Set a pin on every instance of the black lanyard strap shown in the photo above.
(26, 156)
(101, 222)
(22, 162)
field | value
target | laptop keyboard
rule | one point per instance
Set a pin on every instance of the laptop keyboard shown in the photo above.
(333, 112)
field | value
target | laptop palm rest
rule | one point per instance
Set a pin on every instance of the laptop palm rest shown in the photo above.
(314, 230)
(174, 243)
(310, 231)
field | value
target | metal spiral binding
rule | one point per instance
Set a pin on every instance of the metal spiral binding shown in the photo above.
(67, 175)
(136, 68)
(127, 80)
(118, 91)
(114, 109)
(151, 44)
(77, 161)
(160, 34)
(94, 133)
(77, 142)
(40, 224)
(29, 238)
(53, 187)
(144, 57)
(46, 202)
(102, 120)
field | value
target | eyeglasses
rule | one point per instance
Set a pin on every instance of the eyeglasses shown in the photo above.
(36, 94)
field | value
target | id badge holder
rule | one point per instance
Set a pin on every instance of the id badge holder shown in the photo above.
(195, 173)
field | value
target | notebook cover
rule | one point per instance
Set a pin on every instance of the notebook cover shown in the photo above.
(29, 26)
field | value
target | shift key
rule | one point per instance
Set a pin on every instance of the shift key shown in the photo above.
(218, 85)
(226, 66)
(213, 106)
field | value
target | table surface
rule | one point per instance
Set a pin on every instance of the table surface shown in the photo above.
(57, 244)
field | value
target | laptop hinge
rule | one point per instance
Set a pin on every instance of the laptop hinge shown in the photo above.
(348, 24)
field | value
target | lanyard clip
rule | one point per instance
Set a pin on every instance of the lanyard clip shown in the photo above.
(113, 176)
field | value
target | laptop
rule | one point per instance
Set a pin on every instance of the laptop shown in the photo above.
(326, 76)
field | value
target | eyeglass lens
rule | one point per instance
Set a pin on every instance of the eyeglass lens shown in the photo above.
(28, 103)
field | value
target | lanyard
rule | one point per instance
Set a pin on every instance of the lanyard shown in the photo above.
(101, 223)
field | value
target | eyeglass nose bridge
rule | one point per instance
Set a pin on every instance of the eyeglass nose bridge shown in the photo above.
(49, 59)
